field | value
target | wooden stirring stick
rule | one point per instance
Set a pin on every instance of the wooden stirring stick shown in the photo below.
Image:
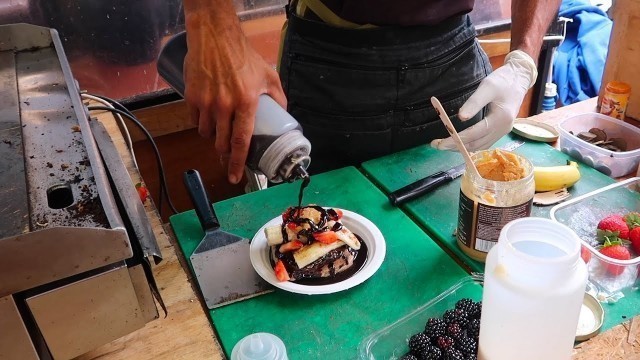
(454, 135)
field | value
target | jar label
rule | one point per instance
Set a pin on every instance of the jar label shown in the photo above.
(479, 224)
(614, 105)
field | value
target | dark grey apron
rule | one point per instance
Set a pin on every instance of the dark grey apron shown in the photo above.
(362, 94)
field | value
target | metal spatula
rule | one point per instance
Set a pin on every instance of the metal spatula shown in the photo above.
(221, 262)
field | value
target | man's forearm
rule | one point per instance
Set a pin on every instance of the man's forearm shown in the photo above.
(530, 20)
(213, 27)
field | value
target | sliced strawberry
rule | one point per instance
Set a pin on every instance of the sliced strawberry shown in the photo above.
(615, 250)
(326, 237)
(290, 246)
(335, 214)
(585, 254)
(290, 213)
(143, 192)
(281, 272)
(292, 225)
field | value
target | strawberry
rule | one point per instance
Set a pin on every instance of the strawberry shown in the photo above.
(615, 250)
(281, 272)
(290, 246)
(615, 223)
(292, 225)
(633, 220)
(326, 237)
(335, 214)
(143, 192)
(634, 237)
(290, 213)
(585, 254)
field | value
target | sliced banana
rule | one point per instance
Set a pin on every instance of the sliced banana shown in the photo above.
(274, 235)
(345, 235)
(314, 251)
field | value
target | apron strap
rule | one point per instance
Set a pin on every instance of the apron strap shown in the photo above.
(326, 15)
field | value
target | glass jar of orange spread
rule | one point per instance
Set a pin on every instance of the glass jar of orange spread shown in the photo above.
(504, 192)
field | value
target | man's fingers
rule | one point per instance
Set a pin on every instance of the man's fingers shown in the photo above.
(471, 135)
(479, 99)
(224, 118)
(205, 123)
(194, 114)
(243, 123)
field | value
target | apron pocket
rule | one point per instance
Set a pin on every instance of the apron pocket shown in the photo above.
(421, 124)
(346, 89)
(338, 141)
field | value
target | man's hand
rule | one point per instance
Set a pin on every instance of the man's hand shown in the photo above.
(224, 77)
(503, 90)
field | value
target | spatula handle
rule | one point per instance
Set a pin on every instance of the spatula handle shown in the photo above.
(198, 195)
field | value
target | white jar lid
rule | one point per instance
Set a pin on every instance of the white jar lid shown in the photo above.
(259, 346)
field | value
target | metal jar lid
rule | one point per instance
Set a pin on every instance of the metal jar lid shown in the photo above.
(535, 130)
(591, 318)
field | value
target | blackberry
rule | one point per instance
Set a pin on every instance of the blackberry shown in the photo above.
(475, 311)
(453, 354)
(456, 315)
(409, 356)
(467, 345)
(435, 327)
(465, 304)
(430, 353)
(471, 357)
(454, 330)
(473, 328)
(444, 342)
(419, 342)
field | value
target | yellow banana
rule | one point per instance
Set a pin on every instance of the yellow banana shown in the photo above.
(549, 178)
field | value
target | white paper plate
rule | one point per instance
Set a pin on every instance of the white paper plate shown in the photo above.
(370, 234)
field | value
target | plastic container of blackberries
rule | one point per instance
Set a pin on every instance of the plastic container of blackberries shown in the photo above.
(392, 341)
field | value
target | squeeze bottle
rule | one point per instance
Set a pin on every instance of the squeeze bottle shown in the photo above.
(278, 149)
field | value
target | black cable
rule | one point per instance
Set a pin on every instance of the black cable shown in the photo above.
(115, 103)
(163, 181)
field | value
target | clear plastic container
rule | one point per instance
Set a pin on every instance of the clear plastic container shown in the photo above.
(614, 164)
(391, 342)
(582, 215)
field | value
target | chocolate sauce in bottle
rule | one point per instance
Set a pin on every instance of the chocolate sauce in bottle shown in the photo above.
(278, 149)
(277, 144)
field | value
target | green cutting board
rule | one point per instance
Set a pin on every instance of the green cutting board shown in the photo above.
(437, 212)
(330, 326)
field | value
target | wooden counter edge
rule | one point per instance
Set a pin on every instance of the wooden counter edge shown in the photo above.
(186, 332)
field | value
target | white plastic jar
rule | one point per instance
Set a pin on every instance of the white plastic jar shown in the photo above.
(534, 284)
(485, 206)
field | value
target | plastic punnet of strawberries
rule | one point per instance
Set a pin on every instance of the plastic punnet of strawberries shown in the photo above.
(619, 238)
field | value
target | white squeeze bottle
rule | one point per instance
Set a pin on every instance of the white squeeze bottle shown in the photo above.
(533, 290)
(259, 346)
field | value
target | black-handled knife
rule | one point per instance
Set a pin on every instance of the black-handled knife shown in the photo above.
(433, 181)
(425, 185)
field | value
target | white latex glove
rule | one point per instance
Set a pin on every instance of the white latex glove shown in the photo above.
(503, 90)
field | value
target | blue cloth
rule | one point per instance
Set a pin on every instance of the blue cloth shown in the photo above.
(579, 61)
